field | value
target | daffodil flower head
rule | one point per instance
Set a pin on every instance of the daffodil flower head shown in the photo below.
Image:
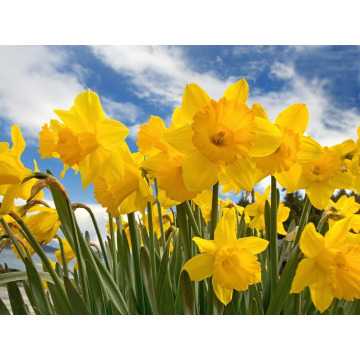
(231, 262)
(331, 265)
(85, 138)
(320, 178)
(220, 134)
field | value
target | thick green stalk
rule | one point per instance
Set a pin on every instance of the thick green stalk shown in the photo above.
(136, 256)
(273, 266)
(183, 231)
(63, 258)
(214, 210)
(297, 304)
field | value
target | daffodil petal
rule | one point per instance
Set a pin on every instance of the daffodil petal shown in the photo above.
(18, 141)
(337, 234)
(194, 98)
(199, 173)
(205, 246)
(242, 173)
(289, 179)
(225, 232)
(309, 149)
(342, 180)
(307, 273)
(89, 167)
(180, 139)
(223, 294)
(319, 194)
(295, 117)
(311, 242)
(260, 111)
(321, 292)
(269, 138)
(252, 243)
(200, 267)
(238, 91)
(111, 133)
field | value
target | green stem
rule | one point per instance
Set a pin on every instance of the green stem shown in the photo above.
(162, 232)
(101, 242)
(214, 210)
(63, 257)
(113, 250)
(191, 217)
(136, 256)
(297, 304)
(273, 266)
(151, 239)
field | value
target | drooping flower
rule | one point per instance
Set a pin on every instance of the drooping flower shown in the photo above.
(231, 262)
(85, 138)
(220, 136)
(331, 267)
(256, 211)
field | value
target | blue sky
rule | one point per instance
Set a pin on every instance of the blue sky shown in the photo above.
(135, 82)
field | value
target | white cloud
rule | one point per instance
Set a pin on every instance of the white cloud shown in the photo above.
(33, 84)
(328, 124)
(127, 112)
(159, 73)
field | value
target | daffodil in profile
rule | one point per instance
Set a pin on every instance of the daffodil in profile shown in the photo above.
(85, 138)
(231, 262)
(256, 211)
(331, 267)
(220, 135)
(13, 172)
(123, 185)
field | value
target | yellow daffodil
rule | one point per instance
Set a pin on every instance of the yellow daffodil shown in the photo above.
(355, 163)
(13, 172)
(44, 224)
(85, 138)
(69, 254)
(331, 267)
(220, 136)
(231, 262)
(292, 122)
(123, 185)
(343, 208)
(257, 212)
(320, 178)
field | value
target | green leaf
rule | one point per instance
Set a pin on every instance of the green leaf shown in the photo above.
(22, 275)
(253, 307)
(37, 289)
(111, 287)
(76, 301)
(3, 309)
(147, 279)
(187, 294)
(60, 307)
(16, 300)
(162, 272)
(96, 290)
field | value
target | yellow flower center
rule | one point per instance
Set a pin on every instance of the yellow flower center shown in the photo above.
(322, 168)
(284, 157)
(235, 268)
(73, 147)
(224, 131)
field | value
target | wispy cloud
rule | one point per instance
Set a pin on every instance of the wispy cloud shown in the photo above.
(159, 73)
(33, 82)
